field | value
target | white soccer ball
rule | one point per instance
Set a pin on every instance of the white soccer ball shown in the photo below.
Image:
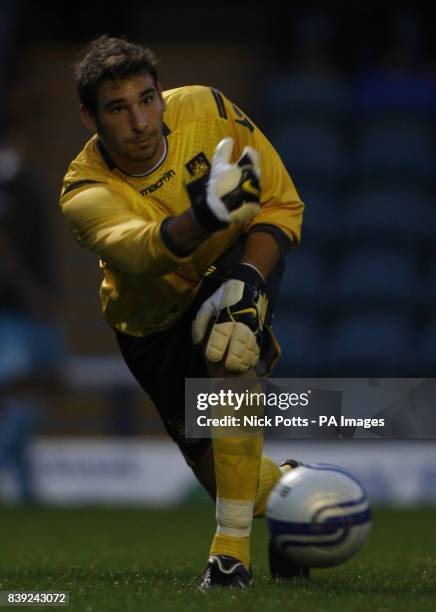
(318, 516)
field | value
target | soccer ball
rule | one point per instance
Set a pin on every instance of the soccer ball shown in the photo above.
(318, 516)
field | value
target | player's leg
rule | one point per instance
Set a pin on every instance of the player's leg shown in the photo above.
(269, 474)
(238, 459)
(236, 462)
(160, 366)
(155, 362)
(243, 481)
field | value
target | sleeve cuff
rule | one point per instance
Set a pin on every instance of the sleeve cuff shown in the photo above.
(170, 245)
(284, 242)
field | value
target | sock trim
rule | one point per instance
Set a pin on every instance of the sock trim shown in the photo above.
(234, 517)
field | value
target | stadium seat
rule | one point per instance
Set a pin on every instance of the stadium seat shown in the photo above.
(422, 358)
(430, 289)
(372, 277)
(303, 279)
(395, 92)
(395, 148)
(323, 218)
(368, 345)
(319, 97)
(425, 291)
(312, 153)
(390, 215)
(299, 339)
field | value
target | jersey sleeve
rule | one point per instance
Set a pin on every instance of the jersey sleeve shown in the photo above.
(281, 210)
(102, 221)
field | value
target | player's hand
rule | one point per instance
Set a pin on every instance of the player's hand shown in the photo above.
(237, 310)
(232, 192)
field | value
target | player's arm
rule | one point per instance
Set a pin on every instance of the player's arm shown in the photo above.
(229, 194)
(281, 210)
(262, 251)
(102, 221)
(238, 308)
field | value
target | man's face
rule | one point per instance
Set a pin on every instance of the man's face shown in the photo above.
(129, 121)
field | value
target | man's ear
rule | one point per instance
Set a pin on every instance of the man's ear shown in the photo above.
(159, 91)
(88, 118)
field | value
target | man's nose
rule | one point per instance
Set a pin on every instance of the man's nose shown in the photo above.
(138, 119)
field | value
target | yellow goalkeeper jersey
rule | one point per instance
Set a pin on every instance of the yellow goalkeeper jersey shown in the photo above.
(146, 287)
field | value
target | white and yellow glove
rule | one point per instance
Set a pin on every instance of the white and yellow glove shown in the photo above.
(231, 192)
(239, 309)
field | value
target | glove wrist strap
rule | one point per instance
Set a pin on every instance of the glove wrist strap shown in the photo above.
(244, 263)
(200, 208)
(248, 274)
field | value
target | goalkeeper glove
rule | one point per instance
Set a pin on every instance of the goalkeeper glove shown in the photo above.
(239, 307)
(231, 192)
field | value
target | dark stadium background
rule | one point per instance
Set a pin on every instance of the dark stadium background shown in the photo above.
(345, 91)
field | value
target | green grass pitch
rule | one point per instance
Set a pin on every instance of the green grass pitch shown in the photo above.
(141, 559)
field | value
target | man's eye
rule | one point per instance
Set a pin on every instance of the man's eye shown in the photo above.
(147, 100)
(117, 109)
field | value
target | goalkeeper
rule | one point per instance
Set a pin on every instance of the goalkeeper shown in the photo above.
(191, 213)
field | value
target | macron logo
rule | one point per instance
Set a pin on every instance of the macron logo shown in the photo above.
(155, 186)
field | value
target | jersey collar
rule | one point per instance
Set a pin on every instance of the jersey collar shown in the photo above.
(112, 165)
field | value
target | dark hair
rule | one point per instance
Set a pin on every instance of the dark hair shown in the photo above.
(110, 58)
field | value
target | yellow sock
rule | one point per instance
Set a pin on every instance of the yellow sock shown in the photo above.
(239, 548)
(237, 462)
(269, 474)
